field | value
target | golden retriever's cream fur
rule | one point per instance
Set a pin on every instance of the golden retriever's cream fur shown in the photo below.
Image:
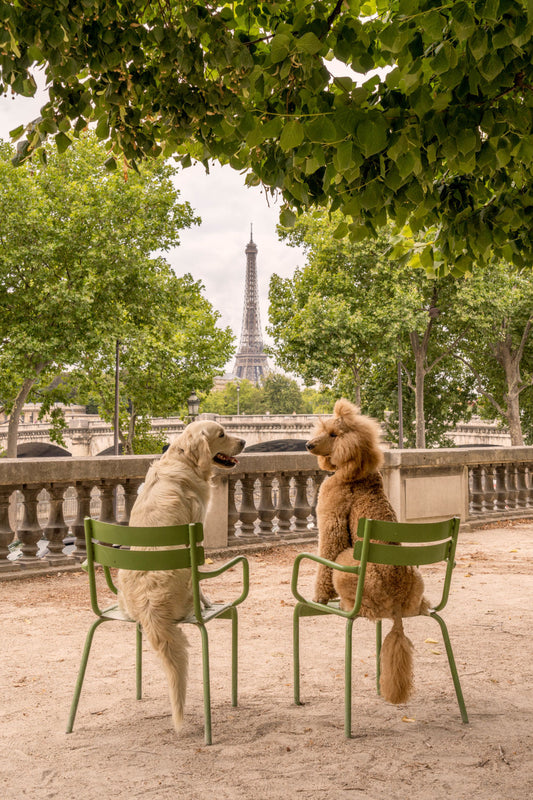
(176, 491)
(348, 445)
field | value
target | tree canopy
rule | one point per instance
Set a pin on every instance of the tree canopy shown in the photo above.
(78, 271)
(406, 110)
(353, 313)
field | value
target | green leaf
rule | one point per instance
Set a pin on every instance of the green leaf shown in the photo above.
(17, 132)
(344, 157)
(110, 164)
(62, 142)
(287, 217)
(309, 43)
(321, 129)
(292, 135)
(372, 135)
(279, 48)
(463, 20)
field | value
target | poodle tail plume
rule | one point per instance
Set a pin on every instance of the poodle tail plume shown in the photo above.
(396, 681)
(170, 643)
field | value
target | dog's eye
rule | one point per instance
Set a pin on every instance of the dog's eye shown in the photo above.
(334, 435)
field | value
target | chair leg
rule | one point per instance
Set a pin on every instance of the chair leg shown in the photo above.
(348, 680)
(296, 653)
(207, 687)
(81, 674)
(378, 654)
(453, 668)
(234, 656)
(138, 660)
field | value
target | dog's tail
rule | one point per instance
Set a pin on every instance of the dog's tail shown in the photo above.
(396, 680)
(170, 643)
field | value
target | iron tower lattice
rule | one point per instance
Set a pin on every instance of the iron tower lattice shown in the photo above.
(250, 361)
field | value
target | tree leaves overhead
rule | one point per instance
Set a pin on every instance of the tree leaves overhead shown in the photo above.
(440, 136)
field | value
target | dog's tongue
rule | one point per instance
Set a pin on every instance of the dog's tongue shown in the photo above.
(220, 457)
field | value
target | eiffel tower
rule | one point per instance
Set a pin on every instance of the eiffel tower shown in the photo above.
(250, 361)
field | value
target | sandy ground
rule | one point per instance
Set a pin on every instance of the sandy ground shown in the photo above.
(268, 747)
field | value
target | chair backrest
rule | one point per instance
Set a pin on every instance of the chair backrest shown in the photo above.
(420, 543)
(169, 547)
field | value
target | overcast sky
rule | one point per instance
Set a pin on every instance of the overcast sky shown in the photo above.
(214, 251)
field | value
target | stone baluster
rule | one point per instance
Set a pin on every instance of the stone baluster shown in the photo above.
(29, 531)
(522, 492)
(108, 512)
(512, 486)
(488, 477)
(56, 527)
(131, 491)
(233, 513)
(475, 487)
(6, 532)
(266, 510)
(318, 477)
(83, 491)
(302, 508)
(501, 487)
(284, 509)
(248, 511)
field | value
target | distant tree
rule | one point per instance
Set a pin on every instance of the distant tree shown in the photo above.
(277, 394)
(495, 309)
(318, 401)
(75, 260)
(352, 313)
(281, 394)
(168, 348)
(248, 399)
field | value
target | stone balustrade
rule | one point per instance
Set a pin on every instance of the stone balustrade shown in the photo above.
(268, 498)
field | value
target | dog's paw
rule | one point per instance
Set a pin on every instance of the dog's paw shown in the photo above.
(206, 602)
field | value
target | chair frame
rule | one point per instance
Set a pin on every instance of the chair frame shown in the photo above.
(108, 546)
(428, 543)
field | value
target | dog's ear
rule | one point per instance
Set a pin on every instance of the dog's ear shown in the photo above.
(195, 445)
(345, 414)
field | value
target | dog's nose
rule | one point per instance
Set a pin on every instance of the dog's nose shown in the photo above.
(242, 442)
(309, 445)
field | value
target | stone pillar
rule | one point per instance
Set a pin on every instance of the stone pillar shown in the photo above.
(6, 532)
(29, 531)
(267, 510)
(216, 518)
(56, 528)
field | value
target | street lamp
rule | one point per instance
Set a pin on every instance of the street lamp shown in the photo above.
(193, 405)
(238, 399)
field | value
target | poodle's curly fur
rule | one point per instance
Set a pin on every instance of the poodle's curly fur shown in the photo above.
(348, 446)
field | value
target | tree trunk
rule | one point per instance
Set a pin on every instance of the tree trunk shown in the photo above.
(16, 411)
(420, 352)
(510, 361)
(513, 418)
(419, 402)
(131, 434)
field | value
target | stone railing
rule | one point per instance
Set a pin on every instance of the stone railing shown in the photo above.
(269, 498)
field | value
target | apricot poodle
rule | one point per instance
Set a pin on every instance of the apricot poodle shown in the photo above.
(348, 446)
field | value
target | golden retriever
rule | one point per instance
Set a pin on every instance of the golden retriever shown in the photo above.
(348, 446)
(176, 491)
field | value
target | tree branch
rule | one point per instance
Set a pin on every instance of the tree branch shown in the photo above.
(480, 388)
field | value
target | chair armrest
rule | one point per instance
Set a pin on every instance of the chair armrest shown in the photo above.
(325, 562)
(245, 576)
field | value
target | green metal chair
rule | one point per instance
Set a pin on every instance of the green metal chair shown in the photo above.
(426, 543)
(107, 545)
